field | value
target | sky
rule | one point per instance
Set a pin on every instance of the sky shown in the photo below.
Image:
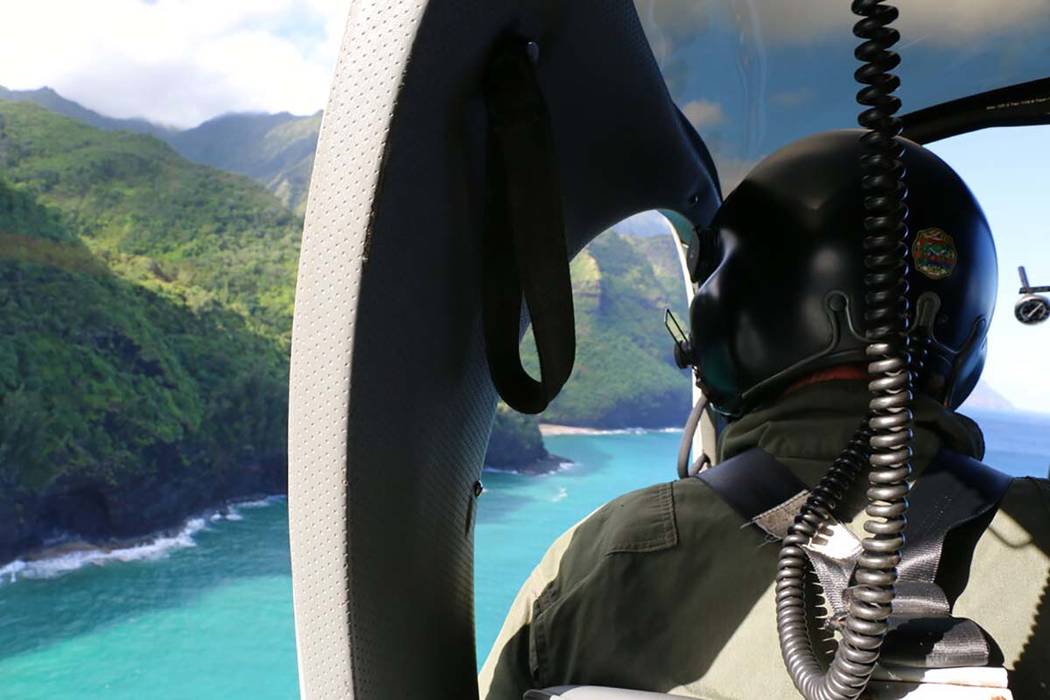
(180, 62)
(174, 62)
(1007, 170)
(754, 75)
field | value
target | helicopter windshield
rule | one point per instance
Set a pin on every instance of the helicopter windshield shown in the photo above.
(785, 67)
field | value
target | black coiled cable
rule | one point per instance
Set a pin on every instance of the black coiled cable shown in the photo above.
(886, 439)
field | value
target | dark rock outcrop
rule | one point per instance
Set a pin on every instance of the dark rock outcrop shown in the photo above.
(94, 511)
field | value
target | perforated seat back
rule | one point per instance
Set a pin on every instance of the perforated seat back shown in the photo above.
(590, 692)
(391, 401)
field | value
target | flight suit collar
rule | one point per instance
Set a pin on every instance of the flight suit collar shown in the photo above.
(808, 428)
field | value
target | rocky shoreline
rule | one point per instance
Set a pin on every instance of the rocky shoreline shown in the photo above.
(69, 554)
(544, 465)
(93, 513)
(85, 513)
(549, 429)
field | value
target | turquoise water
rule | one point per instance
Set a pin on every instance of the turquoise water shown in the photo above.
(207, 614)
(206, 621)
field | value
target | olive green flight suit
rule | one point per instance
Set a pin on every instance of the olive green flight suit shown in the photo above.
(667, 589)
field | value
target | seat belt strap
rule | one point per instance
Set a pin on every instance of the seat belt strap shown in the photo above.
(953, 492)
(755, 484)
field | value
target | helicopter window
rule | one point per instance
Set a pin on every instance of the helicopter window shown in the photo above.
(778, 83)
(1006, 169)
(614, 427)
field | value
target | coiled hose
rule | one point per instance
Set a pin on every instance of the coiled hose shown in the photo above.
(885, 442)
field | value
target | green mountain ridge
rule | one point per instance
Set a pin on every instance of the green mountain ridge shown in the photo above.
(154, 219)
(213, 237)
(53, 102)
(145, 310)
(274, 149)
(624, 375)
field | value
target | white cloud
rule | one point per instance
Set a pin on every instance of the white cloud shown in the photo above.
(174, 61)
(793, 98)
(183, 61)
(703, 113)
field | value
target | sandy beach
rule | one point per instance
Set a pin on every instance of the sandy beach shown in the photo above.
(554, 429)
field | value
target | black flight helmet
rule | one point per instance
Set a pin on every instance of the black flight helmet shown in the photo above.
(781, 270)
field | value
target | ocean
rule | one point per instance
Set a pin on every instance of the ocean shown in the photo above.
(206, 613)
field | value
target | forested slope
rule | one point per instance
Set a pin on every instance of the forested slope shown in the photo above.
(145, 314)
(275, 149)
(624, 374)
(145, 307)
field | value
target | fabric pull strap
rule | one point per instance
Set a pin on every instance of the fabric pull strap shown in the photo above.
(525, 249)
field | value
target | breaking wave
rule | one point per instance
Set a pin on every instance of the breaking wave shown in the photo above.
(70, 556)
(639, 431)
(260, 502)
(559, 467)
(232, 512)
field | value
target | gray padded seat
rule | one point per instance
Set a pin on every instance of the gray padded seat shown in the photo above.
(590, 692)
(387, 437)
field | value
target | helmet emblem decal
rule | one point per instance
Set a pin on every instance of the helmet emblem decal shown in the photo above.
(934, 253)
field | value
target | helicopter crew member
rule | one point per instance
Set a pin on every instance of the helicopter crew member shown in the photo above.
(671, 588)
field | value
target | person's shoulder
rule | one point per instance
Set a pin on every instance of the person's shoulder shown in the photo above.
(1023, 514)
(636, 521)
(1037, 484)
(1028, 498)
(639, 521)
(1031, 490)
(649, 519)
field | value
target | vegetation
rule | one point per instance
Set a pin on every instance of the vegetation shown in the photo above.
(275, 149)
(624, 374)
(145, 315)
(516, 442)
(145, 308)
(212, 239)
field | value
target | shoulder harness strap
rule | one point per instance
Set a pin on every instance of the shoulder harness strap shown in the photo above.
(953, 492)
(761, 490)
